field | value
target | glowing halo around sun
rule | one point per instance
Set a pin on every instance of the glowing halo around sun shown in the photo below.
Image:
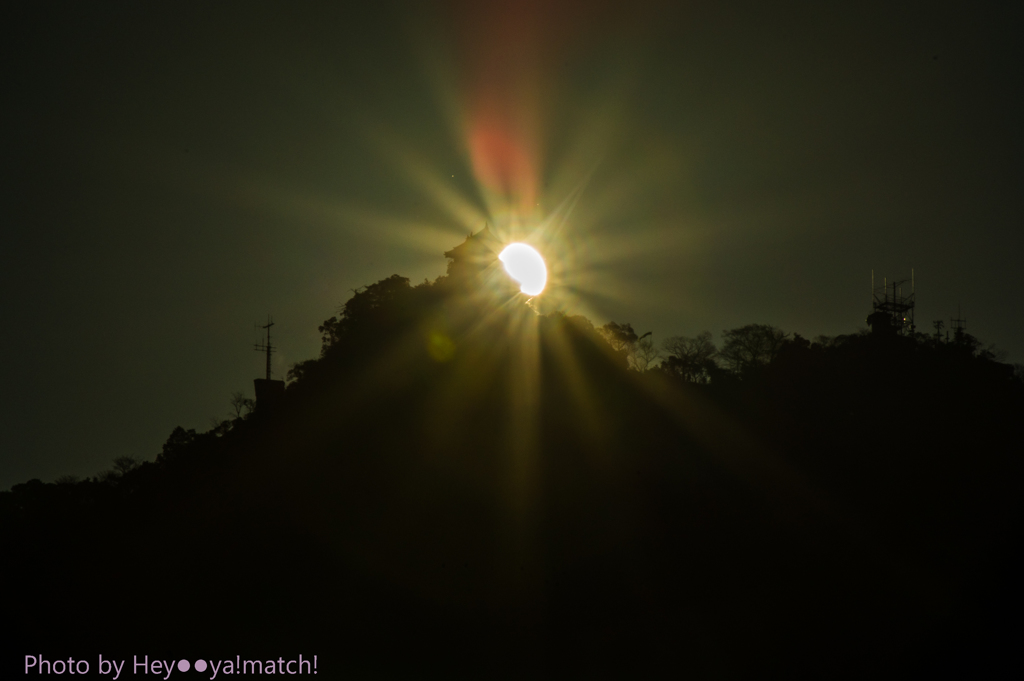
(524, 264)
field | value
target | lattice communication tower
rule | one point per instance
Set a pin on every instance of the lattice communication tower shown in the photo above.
(890, 301)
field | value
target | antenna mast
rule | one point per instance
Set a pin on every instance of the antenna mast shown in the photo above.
(898, 308)
(959, 325)
(266, 347)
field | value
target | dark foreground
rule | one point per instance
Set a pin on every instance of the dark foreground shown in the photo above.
(511, 502)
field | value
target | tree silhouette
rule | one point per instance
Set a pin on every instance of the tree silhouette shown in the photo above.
(643, 354)
(242, 405)
(691, 360)
(125, 464)
(621, 337)
(372, 304)
(751, 347)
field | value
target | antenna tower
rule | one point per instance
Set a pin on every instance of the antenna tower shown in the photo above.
(890, 301)
(958, 325)
(266, 346)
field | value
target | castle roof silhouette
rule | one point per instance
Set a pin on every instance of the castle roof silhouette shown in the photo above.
(475, 255)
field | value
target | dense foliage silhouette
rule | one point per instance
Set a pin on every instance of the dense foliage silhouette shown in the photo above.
(459, 485)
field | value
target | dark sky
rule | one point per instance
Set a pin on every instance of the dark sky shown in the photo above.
(174, 172)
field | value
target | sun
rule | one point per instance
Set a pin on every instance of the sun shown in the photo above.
(524, 264)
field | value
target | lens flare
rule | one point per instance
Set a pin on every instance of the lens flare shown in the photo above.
(524, 264)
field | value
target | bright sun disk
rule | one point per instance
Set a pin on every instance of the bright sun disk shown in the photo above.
(524, 264)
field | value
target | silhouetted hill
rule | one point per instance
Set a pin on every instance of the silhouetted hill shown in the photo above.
(462, 487)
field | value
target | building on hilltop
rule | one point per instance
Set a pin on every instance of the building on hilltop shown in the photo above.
(474, 256)
(474, 263)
